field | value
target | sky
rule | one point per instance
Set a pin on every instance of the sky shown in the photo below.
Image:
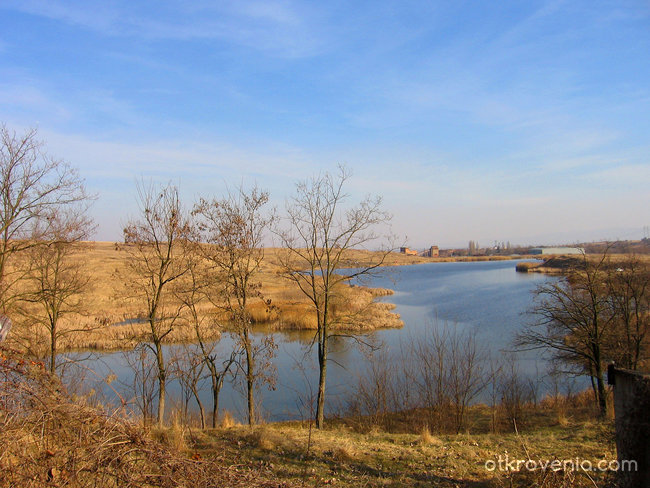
(526, 122)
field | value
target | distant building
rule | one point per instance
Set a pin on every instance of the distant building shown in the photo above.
(556, 250)
(433, 252)
(407, 251)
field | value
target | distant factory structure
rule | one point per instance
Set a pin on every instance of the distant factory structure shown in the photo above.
(556, 250)
(432, 252)
(498, 249)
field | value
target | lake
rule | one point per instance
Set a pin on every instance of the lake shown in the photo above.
(487, 297)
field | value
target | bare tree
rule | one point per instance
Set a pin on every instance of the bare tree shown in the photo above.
(429, 356)
(321, 231)
(194, 292)
(628, 286)
(450, 372)
(158, 245)
(33, 187)
(385, 385)
(467, 374)
(55, 276)
(234, 230)
(188, 368)
(575, 322)
(142, 363)
(513, 391)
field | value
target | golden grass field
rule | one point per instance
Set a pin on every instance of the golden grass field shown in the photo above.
(342, 457)
(356, 451)
(114, 320)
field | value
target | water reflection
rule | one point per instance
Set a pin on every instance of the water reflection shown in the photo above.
(489, 298)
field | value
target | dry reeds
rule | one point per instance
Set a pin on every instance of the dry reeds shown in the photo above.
(114, 321)
(527, 266)
(427, 438)
(228, 421)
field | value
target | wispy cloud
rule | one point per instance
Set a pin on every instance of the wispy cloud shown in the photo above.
(627, 175)
(27, 102)
(194, 159)
(478, 121)
(276, 27)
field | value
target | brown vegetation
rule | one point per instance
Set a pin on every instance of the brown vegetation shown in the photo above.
(551, 265)
(111, 322)
(561, 265)
(50, 440)
(345, 455)
(598, 313)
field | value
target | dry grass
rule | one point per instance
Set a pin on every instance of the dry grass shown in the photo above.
(528, 266)
(562, 264)
(344, 453)
(49, 440)
(427, 438)
(114, 320)
(228, 421)
(263, 438)
(378, 459)
(173, 436)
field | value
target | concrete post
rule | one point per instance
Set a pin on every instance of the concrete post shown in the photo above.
(632, 411)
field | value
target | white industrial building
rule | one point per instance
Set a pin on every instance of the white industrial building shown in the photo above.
(556, 250)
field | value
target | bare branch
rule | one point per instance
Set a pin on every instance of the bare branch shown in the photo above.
(320, 232)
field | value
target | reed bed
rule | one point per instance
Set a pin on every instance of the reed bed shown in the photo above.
(113, 320)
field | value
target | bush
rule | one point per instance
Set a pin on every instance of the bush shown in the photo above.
(47, 438)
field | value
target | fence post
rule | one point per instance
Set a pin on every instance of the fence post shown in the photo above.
(632, 412)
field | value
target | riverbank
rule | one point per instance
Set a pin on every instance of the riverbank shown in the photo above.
(112, 319)
(399, 259)
(561, 265)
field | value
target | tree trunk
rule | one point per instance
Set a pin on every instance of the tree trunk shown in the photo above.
(593, 383)
(52, 349)
(250, 381)
(322, 364)
(216, 388)
(202, 412)
(602, 394)
(161, 401)
(162, 376)
(251, 400)
(195, 392)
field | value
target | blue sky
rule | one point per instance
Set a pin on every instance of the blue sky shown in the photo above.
(514, 121)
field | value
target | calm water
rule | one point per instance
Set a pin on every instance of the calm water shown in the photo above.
(488, 297)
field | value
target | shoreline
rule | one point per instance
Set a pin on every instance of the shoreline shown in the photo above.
(113, 321)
